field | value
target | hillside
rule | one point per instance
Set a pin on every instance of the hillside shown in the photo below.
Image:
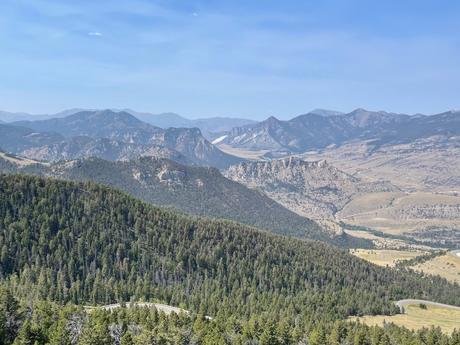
(12, 164)
(195, 190)
(317, 189)
(7, 116)
(430, 164)
(86, 147)
(427, 171)
(85, 243)
(16, 139)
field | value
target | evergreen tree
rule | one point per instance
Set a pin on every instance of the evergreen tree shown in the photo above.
(10, 316)
(318, 336)
(127, 339)
(269, 335)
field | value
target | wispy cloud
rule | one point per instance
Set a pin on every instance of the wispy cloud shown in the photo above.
(94, 33)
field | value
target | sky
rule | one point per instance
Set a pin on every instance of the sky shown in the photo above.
(239, 58)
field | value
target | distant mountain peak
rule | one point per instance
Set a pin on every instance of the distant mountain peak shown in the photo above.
(358, 111)
(104, 113)
(272, 122)
(272, 119)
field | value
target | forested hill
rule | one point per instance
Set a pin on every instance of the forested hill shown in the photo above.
(199, 191)
(84, 243)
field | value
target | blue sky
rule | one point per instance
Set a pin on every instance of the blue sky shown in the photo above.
(230, 58)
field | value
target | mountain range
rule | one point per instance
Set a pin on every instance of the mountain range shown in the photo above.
(315, 131)
(109, 135)
(210, 127)
(364, 151)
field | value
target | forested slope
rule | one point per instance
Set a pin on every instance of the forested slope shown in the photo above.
(84, 243)
(196, 190)
(202, 191)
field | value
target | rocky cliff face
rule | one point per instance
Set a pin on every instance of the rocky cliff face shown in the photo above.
(191, 144)
(86, 147)
(316, 189)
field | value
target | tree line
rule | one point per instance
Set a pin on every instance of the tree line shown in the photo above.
(44, 322)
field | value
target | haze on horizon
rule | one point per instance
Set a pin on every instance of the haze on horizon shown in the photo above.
(239, 58)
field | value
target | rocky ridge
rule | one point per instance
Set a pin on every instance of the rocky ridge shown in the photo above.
(314, 188)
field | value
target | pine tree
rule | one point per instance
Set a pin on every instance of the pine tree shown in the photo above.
(360, 338)
(338, 333)
(269, 336)
(317, 336)
(127, 339)
(26, 335)
(96, 334)
(10, 316)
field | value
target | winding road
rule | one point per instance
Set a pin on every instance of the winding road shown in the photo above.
(405, 302)
(167, 309)
(455, 253)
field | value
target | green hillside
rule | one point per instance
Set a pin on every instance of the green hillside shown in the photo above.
(83, 243)
(195, 190)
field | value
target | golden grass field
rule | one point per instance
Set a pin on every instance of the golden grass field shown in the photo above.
(388, 243)
(397, 212)
(385, 257)
(447, 266)
(415, 318)
(21, 161)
